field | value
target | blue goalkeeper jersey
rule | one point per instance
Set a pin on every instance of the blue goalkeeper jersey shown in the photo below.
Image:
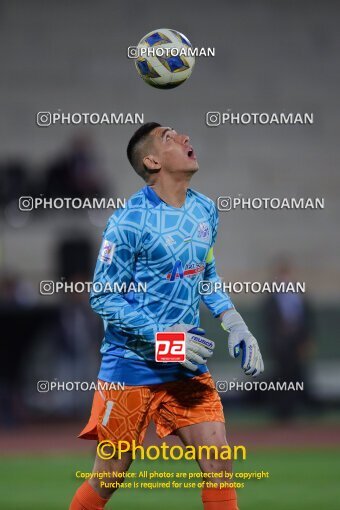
(147, 276)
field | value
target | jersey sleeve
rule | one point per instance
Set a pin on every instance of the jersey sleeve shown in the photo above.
(114, 273)
(217, 301)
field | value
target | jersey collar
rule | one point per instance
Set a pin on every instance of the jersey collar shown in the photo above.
(151, 195)
(154, 198)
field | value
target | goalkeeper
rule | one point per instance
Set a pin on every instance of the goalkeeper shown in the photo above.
(164, 240)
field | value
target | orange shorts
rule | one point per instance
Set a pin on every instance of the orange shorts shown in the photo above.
(124, 414)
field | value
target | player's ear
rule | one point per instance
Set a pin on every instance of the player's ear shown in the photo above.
(152, 163)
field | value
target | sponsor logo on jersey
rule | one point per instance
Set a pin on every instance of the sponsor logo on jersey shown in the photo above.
(189, 270)
(203, 230)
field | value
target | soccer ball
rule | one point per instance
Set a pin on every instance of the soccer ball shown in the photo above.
(163, 58)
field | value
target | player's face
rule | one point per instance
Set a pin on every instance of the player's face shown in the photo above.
(174, 151)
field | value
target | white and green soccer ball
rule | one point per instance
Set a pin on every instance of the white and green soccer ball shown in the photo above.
(164, 59)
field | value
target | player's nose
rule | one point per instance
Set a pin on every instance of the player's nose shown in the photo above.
(185, 139)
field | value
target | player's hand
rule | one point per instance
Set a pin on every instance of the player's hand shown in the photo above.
(239, 339)
(197, 348)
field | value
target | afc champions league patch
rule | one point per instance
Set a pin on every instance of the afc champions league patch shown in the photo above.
(106, 251)
(203, 230)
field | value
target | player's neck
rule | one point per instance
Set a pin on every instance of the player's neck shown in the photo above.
(173, 192)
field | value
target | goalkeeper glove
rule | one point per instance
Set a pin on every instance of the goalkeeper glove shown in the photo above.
(241, 338)
(197, 348)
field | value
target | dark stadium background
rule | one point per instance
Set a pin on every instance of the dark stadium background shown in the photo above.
(270, 57)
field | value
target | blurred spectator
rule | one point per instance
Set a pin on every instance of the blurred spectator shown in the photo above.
(16, 291)
(74, 255)
(78, 335)
(15, 181)
(72, 353)
(76, 174)
(20, 319)
(288, 323)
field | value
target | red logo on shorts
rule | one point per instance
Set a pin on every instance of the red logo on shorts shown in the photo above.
(170, 346)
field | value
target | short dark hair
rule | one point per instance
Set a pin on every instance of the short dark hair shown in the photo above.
(135, 145)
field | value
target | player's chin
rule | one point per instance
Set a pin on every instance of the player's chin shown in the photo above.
(193, 166)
